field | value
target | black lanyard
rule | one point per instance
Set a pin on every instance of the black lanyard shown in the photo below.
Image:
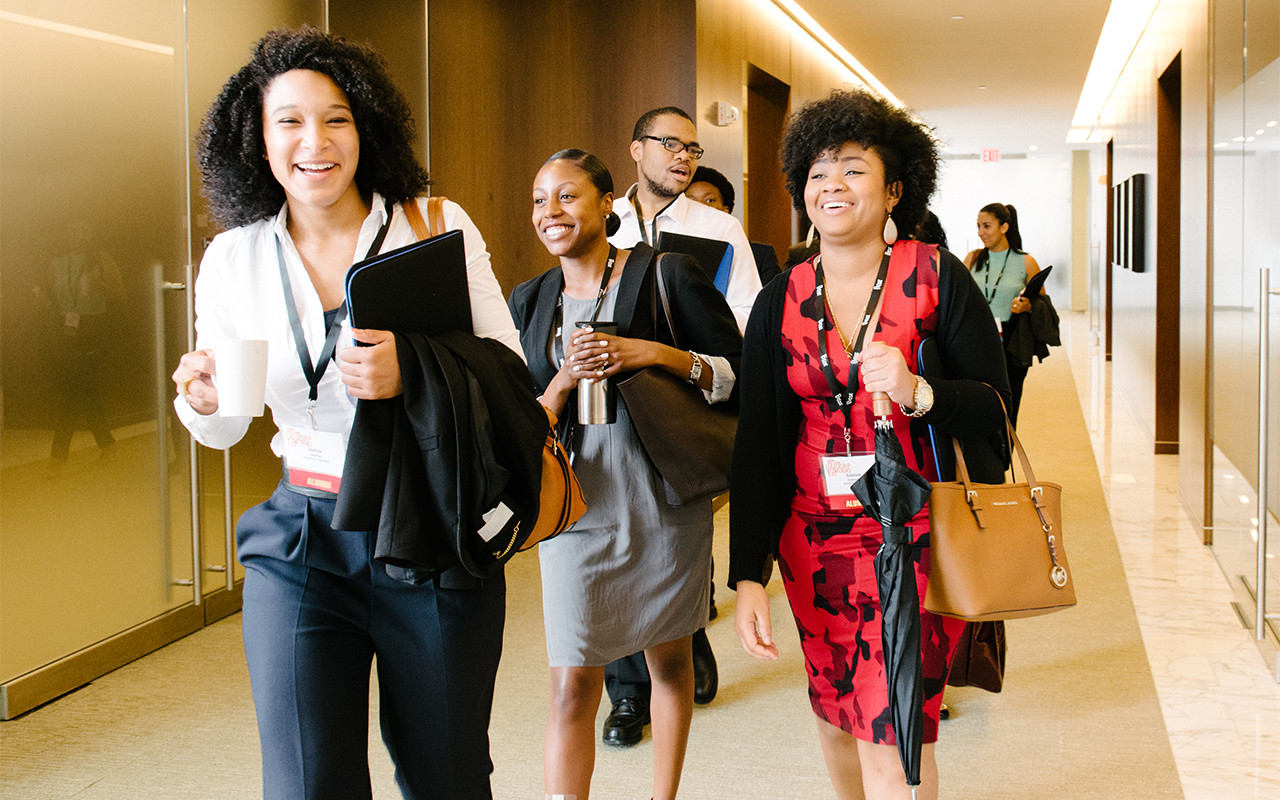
(986, 280)
(557, 343)
(314, 374)
(644, 235)
(844, 395)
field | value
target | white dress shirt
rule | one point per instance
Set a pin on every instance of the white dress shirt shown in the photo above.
(239, 296)
(698, 219)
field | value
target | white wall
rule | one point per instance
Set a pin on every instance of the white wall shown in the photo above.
(1039, 187)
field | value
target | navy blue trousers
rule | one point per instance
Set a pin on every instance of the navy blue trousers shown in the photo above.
(317, 612)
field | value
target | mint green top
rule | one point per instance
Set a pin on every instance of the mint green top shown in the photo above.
(1004, 276)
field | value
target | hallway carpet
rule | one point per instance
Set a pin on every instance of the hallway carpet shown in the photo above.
(1078, 718)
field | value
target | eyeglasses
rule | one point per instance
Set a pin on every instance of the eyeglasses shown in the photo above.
(675, 145)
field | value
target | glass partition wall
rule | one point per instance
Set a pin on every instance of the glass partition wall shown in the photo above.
(108, 548)
(1246, 170)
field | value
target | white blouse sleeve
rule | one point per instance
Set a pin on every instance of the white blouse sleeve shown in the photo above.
(213, 324)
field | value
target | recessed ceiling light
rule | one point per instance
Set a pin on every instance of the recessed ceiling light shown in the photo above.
(1259, 131)
(957, 16)
(982, 86)
(1032, 147)
(1238, 139)
(1219, 146)
(1271, 124)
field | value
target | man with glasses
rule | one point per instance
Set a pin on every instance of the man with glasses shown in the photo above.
(665, 148)
(664, 145)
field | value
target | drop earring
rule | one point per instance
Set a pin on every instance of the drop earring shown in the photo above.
(890, 230)
(808, 242)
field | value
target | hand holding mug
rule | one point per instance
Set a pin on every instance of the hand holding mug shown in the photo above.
(194, 380)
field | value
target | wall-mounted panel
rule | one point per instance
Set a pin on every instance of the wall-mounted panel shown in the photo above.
(495, 120)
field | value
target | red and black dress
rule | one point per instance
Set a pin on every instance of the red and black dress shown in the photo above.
(826, 546)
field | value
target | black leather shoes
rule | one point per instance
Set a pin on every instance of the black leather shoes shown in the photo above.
(706, 678)
(624, 726)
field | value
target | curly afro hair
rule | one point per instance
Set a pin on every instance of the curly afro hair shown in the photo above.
(236, 176)
(907, 148)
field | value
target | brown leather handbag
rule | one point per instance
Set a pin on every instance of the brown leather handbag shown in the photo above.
(997, 550)
(560, 500)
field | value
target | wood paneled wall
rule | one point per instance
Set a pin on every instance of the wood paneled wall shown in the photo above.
(397, 30)
(738, 39)
(512, 82)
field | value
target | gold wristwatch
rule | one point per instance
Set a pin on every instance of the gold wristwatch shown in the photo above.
(921, 398)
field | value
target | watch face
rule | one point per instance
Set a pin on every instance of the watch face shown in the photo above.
(924, 395)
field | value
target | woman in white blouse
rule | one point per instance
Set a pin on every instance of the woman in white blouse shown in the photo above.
(307, 158)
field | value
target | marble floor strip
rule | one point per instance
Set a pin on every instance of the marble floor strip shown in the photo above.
(1218, 694)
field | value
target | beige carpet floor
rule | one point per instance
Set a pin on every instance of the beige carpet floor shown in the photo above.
(1078, 719)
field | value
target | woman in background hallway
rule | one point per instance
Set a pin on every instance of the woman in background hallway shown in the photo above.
(633, 573)
(1002, 270)
(863, 170)
(307, 157)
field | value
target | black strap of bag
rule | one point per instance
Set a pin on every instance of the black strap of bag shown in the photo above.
(689, 441)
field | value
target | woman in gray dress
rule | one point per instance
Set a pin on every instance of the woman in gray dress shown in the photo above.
(633, 573)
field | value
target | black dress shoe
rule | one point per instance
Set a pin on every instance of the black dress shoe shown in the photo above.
(624, 726)
(706, 678)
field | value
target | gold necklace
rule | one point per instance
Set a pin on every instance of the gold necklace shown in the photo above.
(845, 343)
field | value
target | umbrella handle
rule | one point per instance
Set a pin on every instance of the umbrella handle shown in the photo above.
(881, 405)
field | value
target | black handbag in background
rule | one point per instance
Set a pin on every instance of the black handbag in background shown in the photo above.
(689, 440)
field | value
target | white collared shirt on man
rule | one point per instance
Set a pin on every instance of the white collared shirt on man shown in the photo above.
(697, 219)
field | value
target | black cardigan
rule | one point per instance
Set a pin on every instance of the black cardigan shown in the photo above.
(703, 321)
(763, 478)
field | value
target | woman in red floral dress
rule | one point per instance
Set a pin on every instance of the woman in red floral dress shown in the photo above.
(838, 327)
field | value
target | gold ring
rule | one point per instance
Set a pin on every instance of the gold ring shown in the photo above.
(184, 385)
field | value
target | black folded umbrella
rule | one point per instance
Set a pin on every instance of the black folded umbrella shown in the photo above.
(894, 493)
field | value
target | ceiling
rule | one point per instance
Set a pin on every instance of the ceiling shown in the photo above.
(1030, 55)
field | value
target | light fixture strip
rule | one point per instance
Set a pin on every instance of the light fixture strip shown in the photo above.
(85, 33)
(1121, 32)
(811, 26)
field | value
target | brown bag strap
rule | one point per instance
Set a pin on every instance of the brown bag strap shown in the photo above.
(962, 470)
(433, 225)
(435, 215)
(414, 215)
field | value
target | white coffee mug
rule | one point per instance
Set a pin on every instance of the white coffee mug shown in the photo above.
(241, 377)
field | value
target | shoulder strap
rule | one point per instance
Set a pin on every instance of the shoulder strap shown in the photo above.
(435, 215)
(414, 215)
(661, 286)
(433, 225)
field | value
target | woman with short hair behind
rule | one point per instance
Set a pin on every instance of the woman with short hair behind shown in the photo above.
(307, 157)
(848, 321)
